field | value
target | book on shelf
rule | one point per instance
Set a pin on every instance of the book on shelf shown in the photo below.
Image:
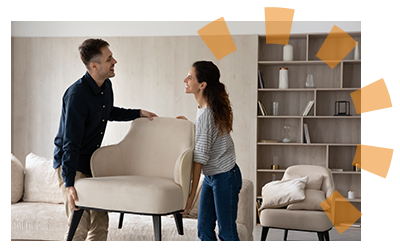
(307, 108)
(260, 80)
(337, 169)
(306, 134)
(262, 108)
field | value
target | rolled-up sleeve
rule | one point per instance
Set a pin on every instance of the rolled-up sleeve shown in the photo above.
(202, 149)
(203, 141)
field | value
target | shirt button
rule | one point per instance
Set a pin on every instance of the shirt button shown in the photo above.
(102, 120)
(101, 133)
(97, 145)
(102, 92)
(104, 106)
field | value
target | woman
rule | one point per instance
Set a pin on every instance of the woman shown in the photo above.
(214, 154)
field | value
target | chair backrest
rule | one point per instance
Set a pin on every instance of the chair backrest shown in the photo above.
(328, 185)
(150, 148)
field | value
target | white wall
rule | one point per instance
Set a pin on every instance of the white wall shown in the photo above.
(149, 75)
(160, 28)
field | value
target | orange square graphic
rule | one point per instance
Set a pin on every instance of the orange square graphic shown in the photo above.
(375, 160)
(217, 37)
(278, 24)
(341, 212)
(372, 97)
(336, 46)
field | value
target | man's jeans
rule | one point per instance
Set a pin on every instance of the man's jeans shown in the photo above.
(219, 202)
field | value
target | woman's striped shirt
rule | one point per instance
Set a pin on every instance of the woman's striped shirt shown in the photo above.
(215, 152)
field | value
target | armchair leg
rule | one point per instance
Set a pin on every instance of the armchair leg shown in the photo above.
(121, 220)
(157, 227)
(326, 235)
(76, 217)
(320, 236)
(286, 234)
(264, 233)
(179, 222)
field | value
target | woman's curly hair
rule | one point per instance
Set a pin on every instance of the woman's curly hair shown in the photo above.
(215, 95)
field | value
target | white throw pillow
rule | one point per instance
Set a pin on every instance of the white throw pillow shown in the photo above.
(41, 182)
(278, 194)
(311, 202)
(314, 181)
(17, 179)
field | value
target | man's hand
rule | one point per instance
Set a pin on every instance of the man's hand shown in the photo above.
(181, 117)
(72, 197)
(150, 115)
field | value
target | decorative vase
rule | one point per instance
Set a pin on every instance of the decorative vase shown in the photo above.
(283, 78)
(356, 52)
(288, 52)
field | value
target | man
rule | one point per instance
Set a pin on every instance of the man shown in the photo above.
(87, 106)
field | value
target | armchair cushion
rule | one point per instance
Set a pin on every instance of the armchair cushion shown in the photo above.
(306, 220)
(278, 194)
(137, 194)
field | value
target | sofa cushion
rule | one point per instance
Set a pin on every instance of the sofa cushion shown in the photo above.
(41, 182)
(17, 179)
(312, 201)
(278, 194)
(130, 193)
(38, 221)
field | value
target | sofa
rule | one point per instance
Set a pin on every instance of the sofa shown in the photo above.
(37, 209)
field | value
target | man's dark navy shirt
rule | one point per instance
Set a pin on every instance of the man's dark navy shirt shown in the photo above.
(86, 108)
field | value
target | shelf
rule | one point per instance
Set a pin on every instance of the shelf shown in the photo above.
(346, 172)
(306, 89)
(309, 117)
(278, 116)
(285, 90)
(357, 199)
(306, 144)
(271, 170)
(283, 170)
(323, 75)
(306, 62)
(333, 117)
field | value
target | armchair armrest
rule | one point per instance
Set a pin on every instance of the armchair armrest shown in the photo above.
(107, 161)
(183, 173)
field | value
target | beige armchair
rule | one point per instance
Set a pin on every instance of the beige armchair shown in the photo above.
(299, 216)
(147, 173)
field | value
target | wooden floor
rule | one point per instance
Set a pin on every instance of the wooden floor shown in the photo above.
(352, 234)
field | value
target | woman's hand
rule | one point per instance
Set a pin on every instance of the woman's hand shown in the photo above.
(189, 204)
(195, 182)
(181, 117)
